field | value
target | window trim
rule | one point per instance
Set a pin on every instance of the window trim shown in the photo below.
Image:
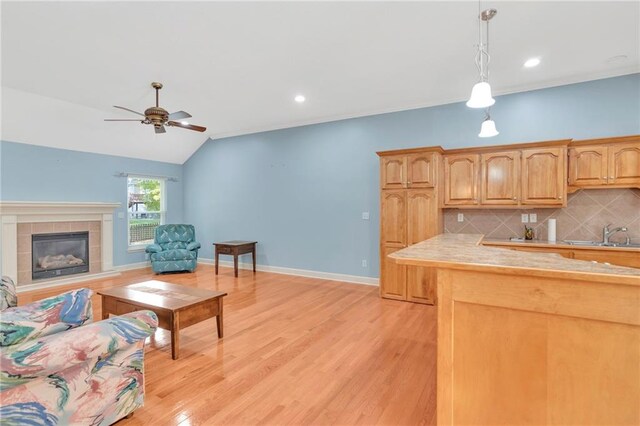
(140, 247)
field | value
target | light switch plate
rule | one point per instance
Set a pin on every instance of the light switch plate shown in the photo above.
(460, 217)
(364, 263)
(365, 215)
(533, 217)
(525, 218)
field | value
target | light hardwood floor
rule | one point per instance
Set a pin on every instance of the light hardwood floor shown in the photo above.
(296, 351)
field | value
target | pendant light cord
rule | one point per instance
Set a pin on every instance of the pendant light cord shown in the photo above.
(482, 56)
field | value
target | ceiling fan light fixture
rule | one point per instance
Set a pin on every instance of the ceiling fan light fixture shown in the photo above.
(159, 117)
(481, 96)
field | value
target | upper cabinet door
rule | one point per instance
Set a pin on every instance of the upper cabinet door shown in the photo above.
(422, 210)
(543, 176)
(624, 164)
(393, 216)
(461, 179)
(588, 165)
(421, 170)
(500, 181)
(393, 172)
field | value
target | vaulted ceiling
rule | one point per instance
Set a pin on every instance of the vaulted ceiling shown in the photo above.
(236, 66)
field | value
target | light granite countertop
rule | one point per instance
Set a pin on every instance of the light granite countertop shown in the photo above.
(465, 251)
(559, 244)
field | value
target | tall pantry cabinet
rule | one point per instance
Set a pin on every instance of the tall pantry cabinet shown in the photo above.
(409, 213)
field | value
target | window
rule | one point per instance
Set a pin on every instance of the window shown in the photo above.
(145, 208)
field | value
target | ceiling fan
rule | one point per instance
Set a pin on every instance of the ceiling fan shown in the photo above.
(159, 117)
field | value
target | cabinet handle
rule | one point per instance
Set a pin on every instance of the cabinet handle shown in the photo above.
(515, 198)
(560, 197)
(610, 177)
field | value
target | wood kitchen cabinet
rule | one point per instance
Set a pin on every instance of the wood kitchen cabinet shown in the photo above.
(461, 179)
(393, 277)
(411, 170)
(409, 213)
(544, 176)
(407, 217)
(422, 208)
(605, 163)
(393, 218)
(500, 174)
(588, 165)
(393, 172)
(421, 170)
(507, 176)
(624, 164)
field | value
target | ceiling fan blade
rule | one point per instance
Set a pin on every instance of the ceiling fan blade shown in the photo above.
(179, 115)
(186, 126)
(130, 110)
(123, 119)
(160, 129)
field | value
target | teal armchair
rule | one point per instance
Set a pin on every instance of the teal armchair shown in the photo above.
(174, 249)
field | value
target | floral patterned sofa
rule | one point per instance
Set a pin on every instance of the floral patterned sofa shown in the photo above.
(58, 367)
(175, 249)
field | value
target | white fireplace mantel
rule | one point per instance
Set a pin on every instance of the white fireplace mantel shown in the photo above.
(14, 212)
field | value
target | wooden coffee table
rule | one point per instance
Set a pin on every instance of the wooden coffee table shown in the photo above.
(176, 306)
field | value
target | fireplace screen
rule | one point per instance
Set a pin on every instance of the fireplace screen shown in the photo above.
(54, 255)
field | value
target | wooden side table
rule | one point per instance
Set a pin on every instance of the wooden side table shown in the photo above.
(235, 248)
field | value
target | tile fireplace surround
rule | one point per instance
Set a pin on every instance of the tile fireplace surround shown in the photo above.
(21, 219)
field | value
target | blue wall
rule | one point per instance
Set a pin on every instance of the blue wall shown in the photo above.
(35, 173)
(300, 192)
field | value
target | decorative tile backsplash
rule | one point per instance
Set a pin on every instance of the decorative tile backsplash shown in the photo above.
(587, 211)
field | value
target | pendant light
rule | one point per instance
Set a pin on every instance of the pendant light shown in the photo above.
(481, 92)
(488, 128)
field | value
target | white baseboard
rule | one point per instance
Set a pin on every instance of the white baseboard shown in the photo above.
(132, 266)
(355, 279)
(73, 279)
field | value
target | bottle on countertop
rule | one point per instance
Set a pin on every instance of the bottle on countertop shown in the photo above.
(528, 233)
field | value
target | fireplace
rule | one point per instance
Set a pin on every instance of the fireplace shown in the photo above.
(55, 255)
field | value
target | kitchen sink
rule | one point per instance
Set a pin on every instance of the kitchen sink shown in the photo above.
(600, 244)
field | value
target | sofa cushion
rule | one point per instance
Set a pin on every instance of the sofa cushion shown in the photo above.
(8, 295)
(45, 317)
(173, 245)
(172, 233)
(177, 254)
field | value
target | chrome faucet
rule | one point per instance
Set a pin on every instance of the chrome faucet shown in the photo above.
(607, 233)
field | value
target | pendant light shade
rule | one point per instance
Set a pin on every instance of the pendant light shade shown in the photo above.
(488, 128)
(481, 96)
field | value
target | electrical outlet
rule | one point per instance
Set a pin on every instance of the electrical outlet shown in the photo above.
(533, 217)
(120, 215)
(365, 215)
(364, 263)
(525, 218)
(460, 217)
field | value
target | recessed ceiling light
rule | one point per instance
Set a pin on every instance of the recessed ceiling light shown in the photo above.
(532, 62)
(299, 99)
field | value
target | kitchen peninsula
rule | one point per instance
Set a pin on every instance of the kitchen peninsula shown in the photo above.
(531, 338)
